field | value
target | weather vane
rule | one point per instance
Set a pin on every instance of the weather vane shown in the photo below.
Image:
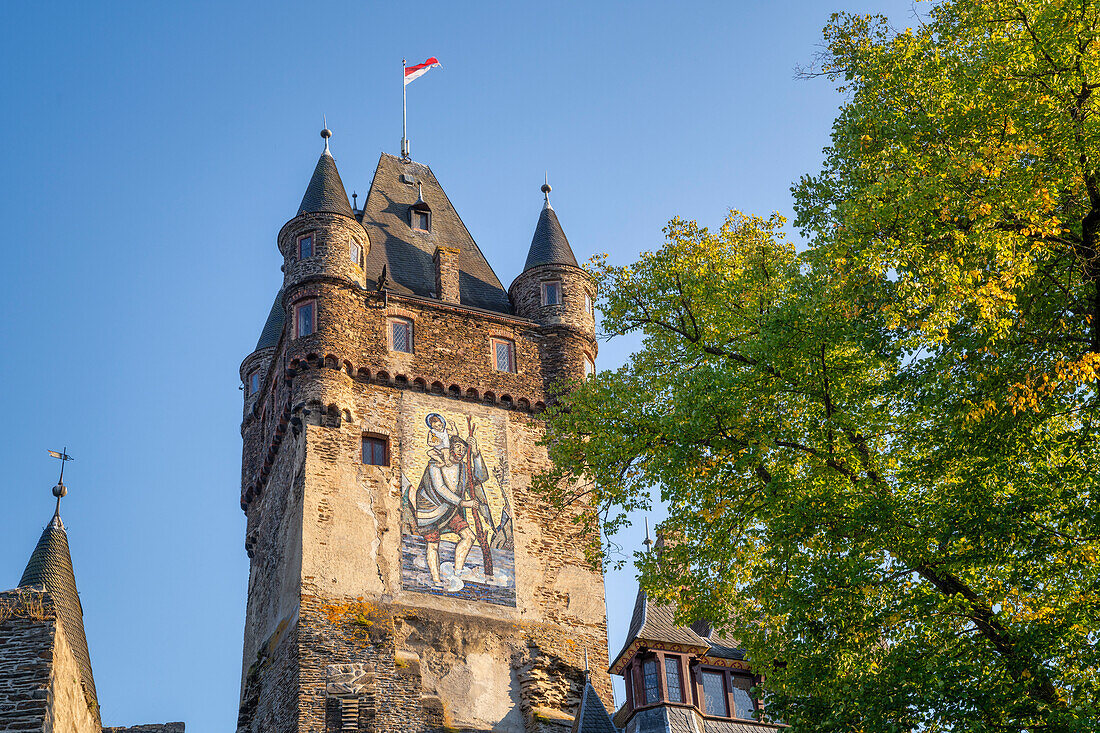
(60, 490)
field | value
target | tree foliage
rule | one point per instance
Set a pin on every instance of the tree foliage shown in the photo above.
(879, 455)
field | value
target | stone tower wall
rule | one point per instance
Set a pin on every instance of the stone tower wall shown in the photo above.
(568, 328)
(341, 626)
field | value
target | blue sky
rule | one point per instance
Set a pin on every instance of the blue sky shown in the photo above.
(151, 153)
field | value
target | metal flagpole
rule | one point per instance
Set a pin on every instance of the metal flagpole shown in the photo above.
(404, 116)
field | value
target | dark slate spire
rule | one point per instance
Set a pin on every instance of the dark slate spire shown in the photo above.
(273, 327)
(326, 191)
(51, 567)
(549, 245)
(592, 716)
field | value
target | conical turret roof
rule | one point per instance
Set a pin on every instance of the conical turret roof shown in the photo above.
(549, 245)
(51, 567)
(592, 716)
(273, 327)
(326, 191)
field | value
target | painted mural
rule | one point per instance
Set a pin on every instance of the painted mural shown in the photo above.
(456, 519)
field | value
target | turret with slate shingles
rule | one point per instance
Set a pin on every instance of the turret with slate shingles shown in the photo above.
(46, 679)
(556, 293)
(51, 568)
(683, 679)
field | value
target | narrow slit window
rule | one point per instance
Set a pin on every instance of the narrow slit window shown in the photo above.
(588, 303)
(305, 246)
(305, 318)
(589, 366)
(551, 293)
(376, 450)
(672, 679)
(356, 253)
(652, 684)
(253, 382)
(401, 335)
(504, 353)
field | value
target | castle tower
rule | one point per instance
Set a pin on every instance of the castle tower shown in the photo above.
(556, 293)
(403, 576)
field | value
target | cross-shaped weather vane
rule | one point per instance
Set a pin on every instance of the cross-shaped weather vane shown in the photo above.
(60, 490)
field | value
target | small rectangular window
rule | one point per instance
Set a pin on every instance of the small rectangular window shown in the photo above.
(305, 246)
(401, 335)
(589, 366)
(714, 694)
(376, 450)
(588, 303)
(253, 382)
(305, 318)
(356, 253)
(651, 683)
(420, 220)
(504, 353)
(672, 679)
(551, 293)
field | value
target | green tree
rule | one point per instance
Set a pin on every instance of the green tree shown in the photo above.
(880, 455)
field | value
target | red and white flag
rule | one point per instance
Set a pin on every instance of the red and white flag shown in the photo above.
(415, 72)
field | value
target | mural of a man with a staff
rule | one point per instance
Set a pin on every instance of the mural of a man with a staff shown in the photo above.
(453, 482)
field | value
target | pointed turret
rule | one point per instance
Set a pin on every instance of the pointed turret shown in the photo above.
(273, 327)
(51, 568)
(557, 294)
(325, 192)
(549, 245)
(592, 716)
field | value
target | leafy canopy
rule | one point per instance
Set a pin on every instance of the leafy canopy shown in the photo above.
(879, 455)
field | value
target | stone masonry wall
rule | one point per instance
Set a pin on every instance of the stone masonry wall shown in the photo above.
(40, 687)
(336, 638)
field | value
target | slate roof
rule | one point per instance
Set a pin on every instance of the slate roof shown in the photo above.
(408, 254)
(273, 327)
(592, 716)
(676, 719)
(325, 192)
(51, 566)
(549, 245)
(654, 622)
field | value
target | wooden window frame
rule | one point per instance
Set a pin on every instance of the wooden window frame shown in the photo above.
(355, 252)
(589, 362)
(493, 341)
(414, 220)
(298, 317)
(678, 661)
(390, 321)
(561, 292)
(727, 687)
(379, 438)
(312, 245)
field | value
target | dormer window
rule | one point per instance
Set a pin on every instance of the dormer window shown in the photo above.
(420, 214)
(551, 292)
(305, 246)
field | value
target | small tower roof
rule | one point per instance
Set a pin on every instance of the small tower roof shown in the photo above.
(325, 192)
(51, 567)
(592, 716)
(549, 245)
(273, 327)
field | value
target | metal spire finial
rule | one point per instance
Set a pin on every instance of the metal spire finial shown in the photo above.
(419, 192)
(354, 200)
(647, 542)
(546, 187)
(59, 490)
(326, 133)
(586, 661)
